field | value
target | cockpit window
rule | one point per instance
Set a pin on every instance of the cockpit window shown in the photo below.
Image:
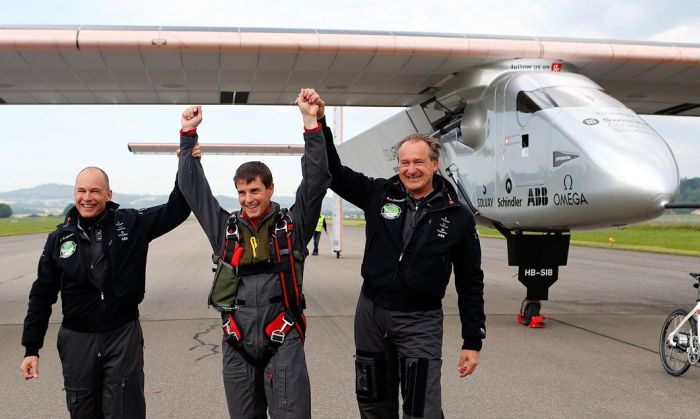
(571, 97)
(563, 97)
(525, 102)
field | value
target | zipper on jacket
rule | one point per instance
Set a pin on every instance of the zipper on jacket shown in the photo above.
(406, 243)
(422, 240)
(421, 243)
(410, 236)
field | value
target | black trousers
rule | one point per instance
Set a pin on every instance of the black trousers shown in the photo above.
(103, 372)
(397, 350)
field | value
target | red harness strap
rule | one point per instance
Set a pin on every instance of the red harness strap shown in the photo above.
(234, 337)
(278, 329)
(231, 330)
(293, 316)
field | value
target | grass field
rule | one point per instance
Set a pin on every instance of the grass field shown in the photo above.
(676, 234)
(676, 219)
(679, 239)
(28, 225)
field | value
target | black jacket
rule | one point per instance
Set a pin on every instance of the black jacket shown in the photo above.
(91, 305)
(413, 275)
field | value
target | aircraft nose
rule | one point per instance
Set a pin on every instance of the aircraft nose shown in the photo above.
(654, 179)
(644, 163)
(644, 167)
(636, 168)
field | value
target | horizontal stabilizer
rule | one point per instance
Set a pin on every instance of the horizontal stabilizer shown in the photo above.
(217, 148)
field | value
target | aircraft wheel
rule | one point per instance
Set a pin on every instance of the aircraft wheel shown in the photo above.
(530, 309)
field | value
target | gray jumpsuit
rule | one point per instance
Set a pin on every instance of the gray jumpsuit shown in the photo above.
(282, 386)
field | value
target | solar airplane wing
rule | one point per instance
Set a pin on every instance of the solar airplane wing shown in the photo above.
(540, 135)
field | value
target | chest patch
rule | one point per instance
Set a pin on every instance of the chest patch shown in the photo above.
(444, 226)
(67, 249)
(391, 211)
(122, 234)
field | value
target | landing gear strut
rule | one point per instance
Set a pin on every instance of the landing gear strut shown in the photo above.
(538, 257)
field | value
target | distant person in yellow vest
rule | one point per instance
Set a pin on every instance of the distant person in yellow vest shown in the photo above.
(320, 226)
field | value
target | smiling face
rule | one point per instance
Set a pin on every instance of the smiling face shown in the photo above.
(91, 192)
(416, 168)
(254, 197)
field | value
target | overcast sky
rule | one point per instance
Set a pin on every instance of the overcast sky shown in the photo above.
(51, 143)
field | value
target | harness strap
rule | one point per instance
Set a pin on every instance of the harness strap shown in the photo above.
(233, 247)
(234, 337)
(259, 268)
(293, 317)
(231, 329)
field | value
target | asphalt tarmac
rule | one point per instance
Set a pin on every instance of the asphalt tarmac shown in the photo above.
(596, 358)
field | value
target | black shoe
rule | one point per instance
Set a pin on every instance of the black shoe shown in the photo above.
(314, 254)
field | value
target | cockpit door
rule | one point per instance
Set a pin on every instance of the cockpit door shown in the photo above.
(526, 136)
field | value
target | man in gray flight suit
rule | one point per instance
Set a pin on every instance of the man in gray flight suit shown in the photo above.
(264, 366)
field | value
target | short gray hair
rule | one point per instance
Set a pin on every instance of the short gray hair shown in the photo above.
(433, 144)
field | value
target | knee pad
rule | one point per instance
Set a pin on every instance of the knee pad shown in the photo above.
(414, 378)
(370, 376)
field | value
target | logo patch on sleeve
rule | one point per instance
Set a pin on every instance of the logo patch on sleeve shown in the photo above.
(67, 249)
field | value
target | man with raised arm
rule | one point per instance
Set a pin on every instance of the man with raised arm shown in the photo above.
(259, 254)
(417, 233)
(96, 259)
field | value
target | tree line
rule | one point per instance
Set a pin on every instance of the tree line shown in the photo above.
(690, 192)
(5, 210)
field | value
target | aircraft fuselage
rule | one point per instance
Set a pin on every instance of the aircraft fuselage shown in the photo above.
(534, 147)
(561, 154)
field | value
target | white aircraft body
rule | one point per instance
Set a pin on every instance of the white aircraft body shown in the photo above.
(539, 136)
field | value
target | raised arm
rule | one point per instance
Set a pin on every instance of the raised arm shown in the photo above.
(193, 183)
(352, 186)
(163, 218)
(314, 167)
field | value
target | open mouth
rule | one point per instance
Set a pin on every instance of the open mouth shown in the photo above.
(88, 206)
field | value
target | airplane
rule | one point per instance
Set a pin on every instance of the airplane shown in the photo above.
(541, 136)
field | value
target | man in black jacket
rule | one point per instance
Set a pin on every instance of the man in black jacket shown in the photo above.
(96, 259)
(416, 233)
